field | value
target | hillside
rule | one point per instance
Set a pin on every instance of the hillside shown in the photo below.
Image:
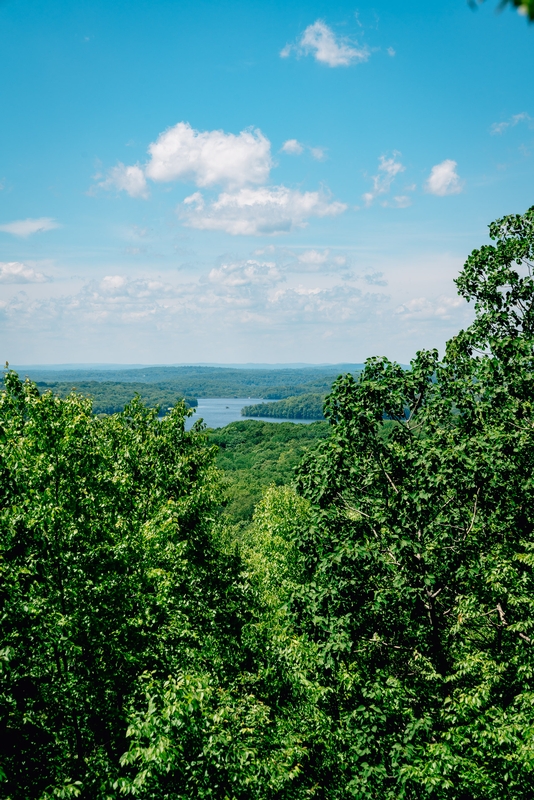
(271, 384)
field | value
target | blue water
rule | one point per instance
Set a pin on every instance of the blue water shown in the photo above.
(220, 411)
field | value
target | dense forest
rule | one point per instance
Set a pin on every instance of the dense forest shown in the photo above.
(112, 389)
(366, 631)
(254, 455)
(110, 397)
(268, 383)
(305, 406)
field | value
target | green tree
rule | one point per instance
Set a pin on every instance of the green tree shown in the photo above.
(108, 569)
(304, 406)
(258, 735)
(417, 572)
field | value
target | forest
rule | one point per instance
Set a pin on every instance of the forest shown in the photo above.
(277, 611)
(271, 383)
(111, 389)
(109, 397)
(305, 406)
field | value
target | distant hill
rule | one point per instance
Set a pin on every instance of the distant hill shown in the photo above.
(195, 381)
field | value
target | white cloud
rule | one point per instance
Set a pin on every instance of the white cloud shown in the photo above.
(274, 306)
(128, 179)
(252, 212)
(442, 307)
(26, 227)
(205, 158)
(321, 41)
(210, 157)
(310, 261)
(112, 284)
(292, 147)
(315, 259)
(389, 168)
(233, 294)
(16, 272)
(400, 201)
(319, 153)
(391, 52)
(336, 304)
(238, 163)
(375, 279)
(500, 127)
(443, 179)
(196, 199)
(246, 273)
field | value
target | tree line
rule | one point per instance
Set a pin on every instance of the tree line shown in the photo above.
(110, 397)
(306, 406)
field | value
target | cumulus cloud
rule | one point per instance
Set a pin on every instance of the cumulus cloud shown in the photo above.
(16, 272)
(252, 212)
(26, 227)
(313, 260)
(232, 294)
(335, 305)
(205, 158)
(318, 153)
(499, 127)
(246, 273)
(210, 158)
(444, 180)
(388, 168)
(240, 164)
(320, 41)
(317, 259)
(292, 147)
(127, 179)
(313, 257)
(391, 52)
(442, 307)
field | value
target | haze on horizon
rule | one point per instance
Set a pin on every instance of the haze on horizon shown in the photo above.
(235, 183)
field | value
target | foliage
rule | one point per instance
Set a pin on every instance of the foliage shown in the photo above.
(305, 406)
(192, 381)
(417, 579)
(112, 397)
(259, 737)
(108, 569)
(253, 455)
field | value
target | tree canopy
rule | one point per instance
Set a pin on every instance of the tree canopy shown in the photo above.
(418, 566)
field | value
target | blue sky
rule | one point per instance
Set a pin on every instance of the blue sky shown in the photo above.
(251, 182)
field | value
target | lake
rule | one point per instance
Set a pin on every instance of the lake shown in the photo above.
(220, 411)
